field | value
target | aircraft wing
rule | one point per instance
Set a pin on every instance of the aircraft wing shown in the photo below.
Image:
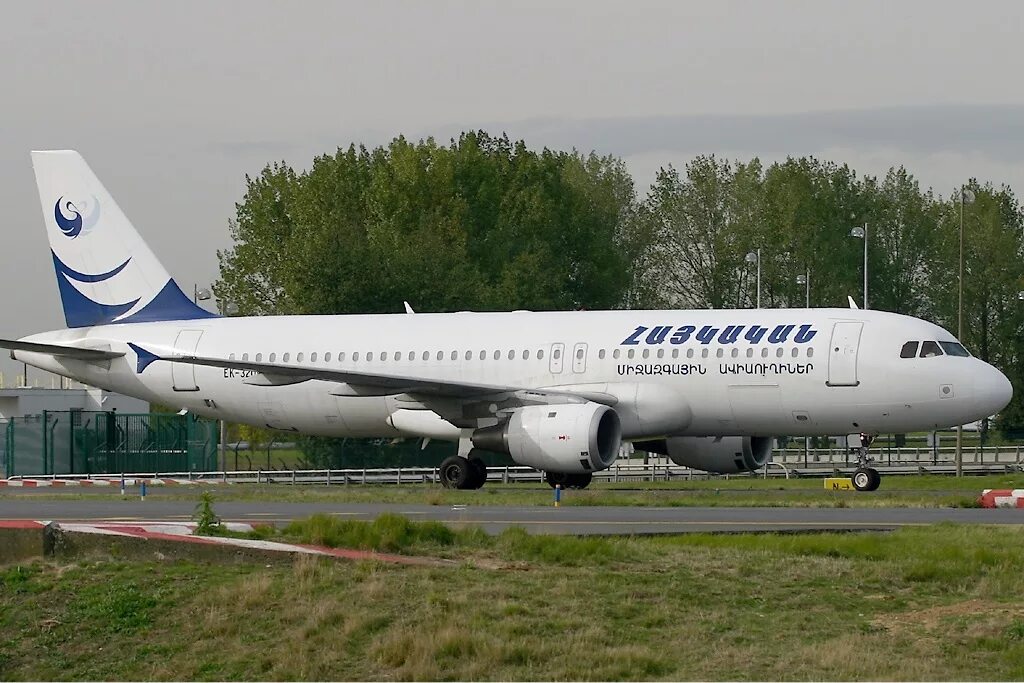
(76, 352)
(366, 383)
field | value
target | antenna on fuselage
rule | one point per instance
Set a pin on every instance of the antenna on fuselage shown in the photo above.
(853, 304)
(408, 308)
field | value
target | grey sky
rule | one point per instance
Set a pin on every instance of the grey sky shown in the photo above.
(172, 104)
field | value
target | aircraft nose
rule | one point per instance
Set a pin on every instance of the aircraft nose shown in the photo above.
(992, 390)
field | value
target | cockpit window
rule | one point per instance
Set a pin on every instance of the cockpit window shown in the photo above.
(930, 349)
(954, 349)
(909, 350)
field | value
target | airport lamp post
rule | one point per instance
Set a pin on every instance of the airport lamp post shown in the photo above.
(805, 280)
(200, 294)
(861, 232)
(966, 196)
(755, 257)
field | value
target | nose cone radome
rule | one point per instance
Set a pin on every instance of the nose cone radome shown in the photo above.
(992, 391)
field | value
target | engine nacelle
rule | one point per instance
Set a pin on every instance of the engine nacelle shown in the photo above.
(718, 454)
(571, 438)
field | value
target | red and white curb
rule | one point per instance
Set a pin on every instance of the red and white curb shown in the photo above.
(1002, 498)
(44, 483)
(183, 532)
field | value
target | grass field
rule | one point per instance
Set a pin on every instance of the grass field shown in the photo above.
(925, 603)
(901, 491)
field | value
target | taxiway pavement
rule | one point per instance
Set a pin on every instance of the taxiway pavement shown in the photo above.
(576, 520)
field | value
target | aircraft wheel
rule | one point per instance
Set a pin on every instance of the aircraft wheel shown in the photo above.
(555, 478)
(876, 479)
(580, 481)
(456, 472)
(479, 470)
(863, 479)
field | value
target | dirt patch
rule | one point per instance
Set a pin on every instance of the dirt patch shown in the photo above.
(978, 617)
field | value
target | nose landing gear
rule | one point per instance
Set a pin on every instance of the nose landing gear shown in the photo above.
(865, 478)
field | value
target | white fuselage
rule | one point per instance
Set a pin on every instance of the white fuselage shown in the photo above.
(809, 372)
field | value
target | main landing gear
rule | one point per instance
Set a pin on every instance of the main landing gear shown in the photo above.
(458, 472)
(568, 481)
(865, 478)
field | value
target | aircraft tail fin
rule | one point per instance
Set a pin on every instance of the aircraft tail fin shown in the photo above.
(105, 271)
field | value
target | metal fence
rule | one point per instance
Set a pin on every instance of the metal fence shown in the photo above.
(84, 442)
(784, 464)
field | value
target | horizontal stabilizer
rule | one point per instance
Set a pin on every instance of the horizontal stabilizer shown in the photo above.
(59, 350)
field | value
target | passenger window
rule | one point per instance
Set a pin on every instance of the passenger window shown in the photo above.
(540, 355)
(285, 357)
(383, 356)
(750, 353)
(579, 354)
(661, 353)
(909, 350)
(616, 353)
(704, 353)
(327, 357)
(299, 356)
(796, 352)
(646, 353)
(273, 357)
(312, 357)
(930, 349)
(764, 352)
(810, 351)
(735, 352)
(440, 355)
(557, 353)
(497, 354)
(675, 353)
(511, 354)
(719, 352)
(778, 352)
(355, 357)
(426, 355)
(600, 354)
(369, 357)
(469, 355)
(398, 355)
(231, 357)
(455, 355)
(630, 353)
(526, 354)
(341, 356)
(245, 356)
(259, 357)
(954, 349)
(689, 353)
(483, 355)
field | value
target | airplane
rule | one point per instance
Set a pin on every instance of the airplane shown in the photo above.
(556, 391)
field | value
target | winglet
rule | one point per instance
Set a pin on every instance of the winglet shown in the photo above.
(145, 357)
(408, 308)
(853, 304)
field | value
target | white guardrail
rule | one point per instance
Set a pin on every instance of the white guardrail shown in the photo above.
(784, 463)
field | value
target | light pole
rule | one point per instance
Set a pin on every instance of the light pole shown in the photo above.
(805, 280)
(755, 257)
(200, 294)
(966, 196)
(862, 233)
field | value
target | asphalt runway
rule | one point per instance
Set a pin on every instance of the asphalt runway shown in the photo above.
(542, 520)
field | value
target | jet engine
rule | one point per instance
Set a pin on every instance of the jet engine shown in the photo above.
(719, 454)
(569, 438)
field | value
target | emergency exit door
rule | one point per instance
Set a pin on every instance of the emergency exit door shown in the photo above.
(183, 375)
(842, 354)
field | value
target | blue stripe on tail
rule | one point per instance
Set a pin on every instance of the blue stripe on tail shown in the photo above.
(81, 311)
